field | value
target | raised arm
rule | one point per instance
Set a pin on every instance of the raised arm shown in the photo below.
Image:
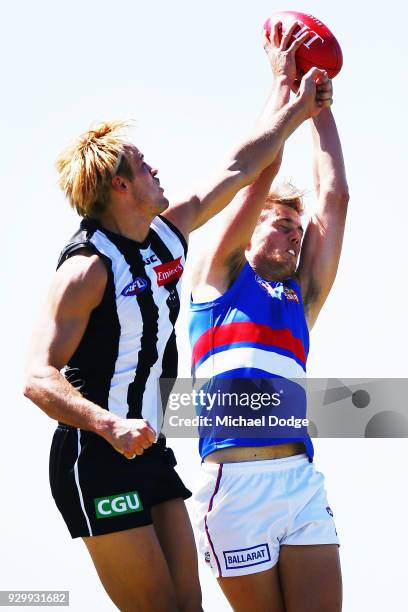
(323, 239)
(77, 289)
(261, 151)
(224, 252)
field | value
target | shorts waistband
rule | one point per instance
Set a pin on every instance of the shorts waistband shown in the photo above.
(66, 427)
(159, 445)
(267, 465)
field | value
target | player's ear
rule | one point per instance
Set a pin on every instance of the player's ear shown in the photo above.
(119, 184)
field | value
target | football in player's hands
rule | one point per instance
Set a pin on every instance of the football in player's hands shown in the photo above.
(321, 48)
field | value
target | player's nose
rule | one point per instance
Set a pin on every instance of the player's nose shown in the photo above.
(295, 236)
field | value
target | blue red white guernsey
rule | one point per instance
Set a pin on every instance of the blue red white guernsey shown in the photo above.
(130, 342)
(256, 330)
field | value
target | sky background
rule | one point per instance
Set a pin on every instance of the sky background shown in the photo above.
(194, 77)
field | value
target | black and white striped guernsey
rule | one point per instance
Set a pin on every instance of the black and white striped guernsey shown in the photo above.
(130, 342)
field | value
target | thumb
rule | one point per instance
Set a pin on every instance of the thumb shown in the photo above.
(151, 432)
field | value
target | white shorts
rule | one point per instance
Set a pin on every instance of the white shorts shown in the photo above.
(244, 511)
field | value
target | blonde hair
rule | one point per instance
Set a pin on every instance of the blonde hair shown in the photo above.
(88, 164)
(287, 194)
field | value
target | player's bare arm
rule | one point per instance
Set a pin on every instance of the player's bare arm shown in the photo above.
(228, 247)
(323, 239)
(77, 289)
(214, 275)
(258, 154)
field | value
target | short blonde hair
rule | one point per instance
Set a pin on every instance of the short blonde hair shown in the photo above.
(87, 165)
(287, 194)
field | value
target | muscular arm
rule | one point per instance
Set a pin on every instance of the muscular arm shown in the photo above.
(224, 254)
(259, 156)
(243, 167)
(77, 289)
(324, 235)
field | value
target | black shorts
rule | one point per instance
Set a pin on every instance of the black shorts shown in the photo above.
(98, 491)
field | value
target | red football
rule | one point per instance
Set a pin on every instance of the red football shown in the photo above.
(321, 49)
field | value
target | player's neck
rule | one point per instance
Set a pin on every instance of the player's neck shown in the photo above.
(267, 270)
(128, 223)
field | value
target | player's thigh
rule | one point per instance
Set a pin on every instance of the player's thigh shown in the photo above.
(259, 591)
(310, 578)
(133, 570)
(175, 534)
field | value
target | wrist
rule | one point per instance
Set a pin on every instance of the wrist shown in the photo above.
(323, 117)
(282, 80)
(105, 424)
(298, 110)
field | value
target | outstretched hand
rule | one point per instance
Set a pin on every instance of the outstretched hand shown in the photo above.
(281, 53)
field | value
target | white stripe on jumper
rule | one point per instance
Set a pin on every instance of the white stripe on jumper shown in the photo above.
(249, 357)
(152, 403)
(170, 239)
(130, 318)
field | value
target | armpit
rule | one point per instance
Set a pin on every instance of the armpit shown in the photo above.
(310, 295)
(234, 265)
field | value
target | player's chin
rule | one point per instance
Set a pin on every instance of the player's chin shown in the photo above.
(288, 268)
(163, 204)
(288, 272)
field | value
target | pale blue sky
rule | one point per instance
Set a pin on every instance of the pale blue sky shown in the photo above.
(194, 76)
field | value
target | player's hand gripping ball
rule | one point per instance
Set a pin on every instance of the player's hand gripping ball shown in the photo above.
(321, 49)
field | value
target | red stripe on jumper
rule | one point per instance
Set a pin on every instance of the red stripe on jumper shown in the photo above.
(248, 332)
(217, 486)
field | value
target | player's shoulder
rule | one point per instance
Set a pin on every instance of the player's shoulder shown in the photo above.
(81, 276)
(84, 264)
(176, 217)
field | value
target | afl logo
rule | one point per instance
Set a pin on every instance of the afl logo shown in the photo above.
(138, 285)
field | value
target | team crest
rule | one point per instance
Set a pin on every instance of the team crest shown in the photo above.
(173, 299)
(291, 295)
(275, 292)
(278, 290)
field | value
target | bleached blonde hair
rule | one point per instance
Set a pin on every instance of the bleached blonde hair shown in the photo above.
(288, 194)
(87, 165)
(285, 193)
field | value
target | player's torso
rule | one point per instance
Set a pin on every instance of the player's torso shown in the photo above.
(130, 342)
(256, 330)
(257, 325)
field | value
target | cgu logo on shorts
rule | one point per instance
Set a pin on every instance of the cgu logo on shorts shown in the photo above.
(116, 505)
(168, 271)
(138, 285)
(245, 557)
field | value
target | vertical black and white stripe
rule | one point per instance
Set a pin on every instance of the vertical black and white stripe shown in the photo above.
(129, 343)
